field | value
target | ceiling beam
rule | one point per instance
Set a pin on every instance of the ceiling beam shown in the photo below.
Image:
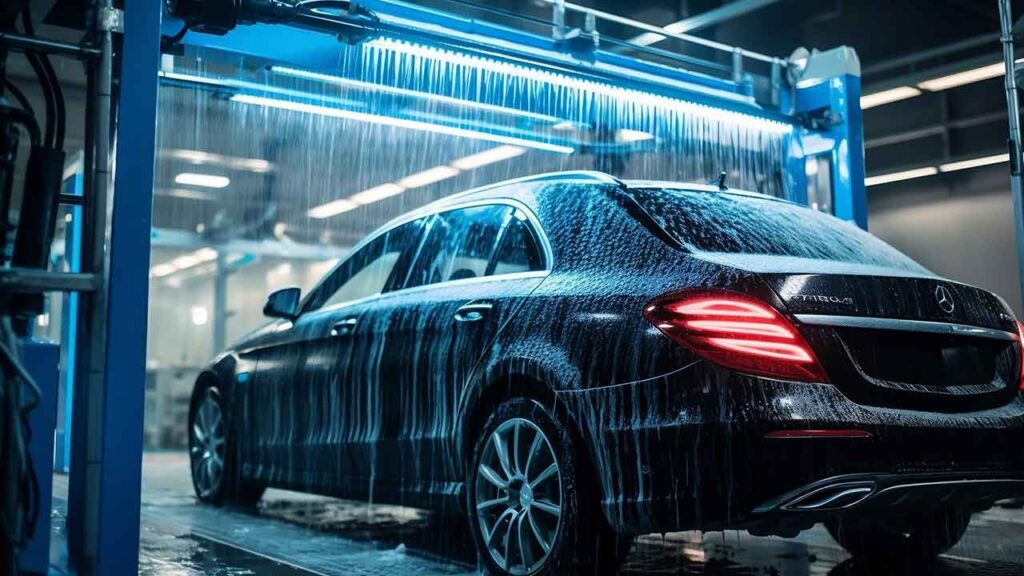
(910, 60)
(933, 130)
(704, 19)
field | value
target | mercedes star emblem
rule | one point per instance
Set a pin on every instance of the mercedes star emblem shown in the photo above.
(945, 299)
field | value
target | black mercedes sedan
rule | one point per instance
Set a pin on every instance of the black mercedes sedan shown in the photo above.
(571, 360)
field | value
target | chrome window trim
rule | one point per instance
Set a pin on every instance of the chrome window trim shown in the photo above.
(425, 287)
(925, 326)
(542, 239)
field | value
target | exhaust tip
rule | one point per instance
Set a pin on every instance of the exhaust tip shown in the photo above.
(834, 497)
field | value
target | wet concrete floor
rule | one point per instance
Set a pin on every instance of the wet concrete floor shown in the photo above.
(292, 534)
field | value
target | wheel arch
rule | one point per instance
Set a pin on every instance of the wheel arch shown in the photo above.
(512, 379)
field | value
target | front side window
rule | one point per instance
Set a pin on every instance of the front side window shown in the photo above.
(459, 245)
(366, 272)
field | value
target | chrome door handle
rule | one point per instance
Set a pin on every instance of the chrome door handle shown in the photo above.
(344, 328)
(473, 312)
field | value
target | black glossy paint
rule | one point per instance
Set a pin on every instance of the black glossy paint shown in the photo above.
(380, 398)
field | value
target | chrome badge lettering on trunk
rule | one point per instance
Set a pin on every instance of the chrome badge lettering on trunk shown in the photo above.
(824, 299)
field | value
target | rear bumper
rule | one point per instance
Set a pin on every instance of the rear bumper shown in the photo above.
(865, 492)
(688, 451)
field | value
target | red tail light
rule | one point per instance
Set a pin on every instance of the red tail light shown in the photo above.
(1020, 343)
(736, 332)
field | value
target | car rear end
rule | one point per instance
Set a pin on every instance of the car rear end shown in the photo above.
(831, 374)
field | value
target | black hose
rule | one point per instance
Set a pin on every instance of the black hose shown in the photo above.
(168, 41)
(30, 481)
(40, 73)
(27, 121)
(19, 96)
(59, 104)
(56, 125)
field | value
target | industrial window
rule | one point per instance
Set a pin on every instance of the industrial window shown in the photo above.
(459, 245)
(518, 250)
(366, 272)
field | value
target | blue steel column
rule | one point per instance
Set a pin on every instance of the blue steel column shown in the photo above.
(128, 290)
(850, 196)
(113, 470)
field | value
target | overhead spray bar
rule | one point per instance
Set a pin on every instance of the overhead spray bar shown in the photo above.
(812, 98)
(729, 85)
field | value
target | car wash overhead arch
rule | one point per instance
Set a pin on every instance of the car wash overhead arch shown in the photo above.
(789, 127)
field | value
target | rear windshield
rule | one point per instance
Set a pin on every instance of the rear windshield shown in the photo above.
(737, 224)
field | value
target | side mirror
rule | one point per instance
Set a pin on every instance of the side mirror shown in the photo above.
(283, 304)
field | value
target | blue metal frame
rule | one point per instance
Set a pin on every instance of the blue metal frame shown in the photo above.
(41, 360)
(837, 101)
(117, 550)
(73, 186)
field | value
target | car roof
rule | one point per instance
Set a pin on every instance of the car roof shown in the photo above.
(690, 187)
(570, 176)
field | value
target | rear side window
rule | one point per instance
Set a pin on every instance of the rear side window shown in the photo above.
(518, 250)
(459, 245)
(736, 224)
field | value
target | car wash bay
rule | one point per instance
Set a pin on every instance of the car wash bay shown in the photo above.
(254, 152)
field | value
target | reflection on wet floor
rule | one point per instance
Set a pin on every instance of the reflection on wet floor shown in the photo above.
(295, 534)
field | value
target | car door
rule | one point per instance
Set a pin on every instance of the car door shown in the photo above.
(268, 405)
(336, 427)
(473, 268)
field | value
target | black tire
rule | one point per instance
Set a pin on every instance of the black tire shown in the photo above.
(582, 543)
(230, 489)
(911, 536)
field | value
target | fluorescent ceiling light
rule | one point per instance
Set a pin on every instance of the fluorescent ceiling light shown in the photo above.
(419, 179)
(903, 175)
(204, 180)
(428, 177)
(965, 77)
(412, 93)
(161, 270)
(974, 163)
(887, 96)
(377, 193)
(205, 254)
(648, 38)
(397, 122)
(332, 209)
(626, 135)
(183, 262)
(188, 193)
(486, 157)
(199, 157)
(553, 78)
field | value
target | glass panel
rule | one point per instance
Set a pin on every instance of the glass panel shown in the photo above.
(366, 272)
(459, 245)
(519, 251)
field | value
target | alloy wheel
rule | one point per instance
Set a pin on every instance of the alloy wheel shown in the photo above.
(207, 450)
(518, 496)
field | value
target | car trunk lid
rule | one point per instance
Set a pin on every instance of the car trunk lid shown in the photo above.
(906, 341)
